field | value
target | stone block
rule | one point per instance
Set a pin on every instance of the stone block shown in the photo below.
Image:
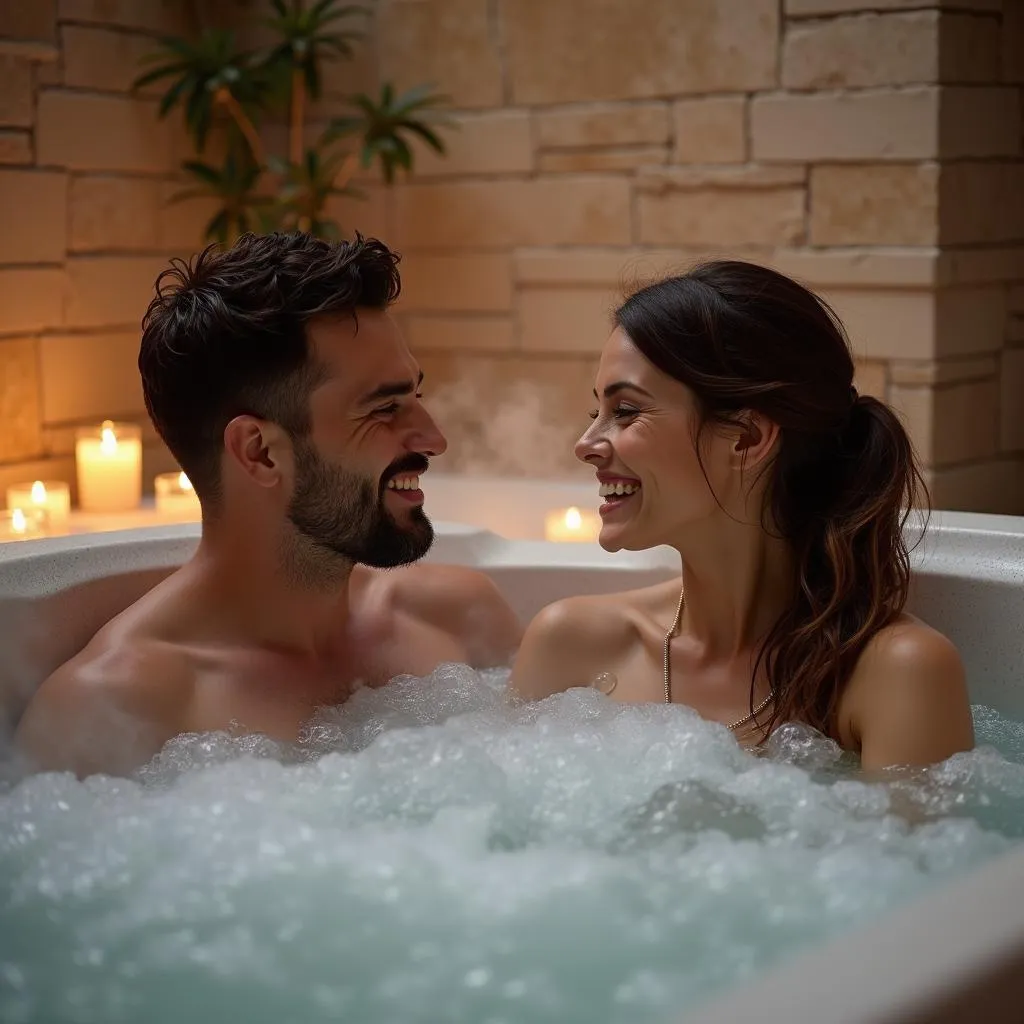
(710, 131)
(1015, 330)
(934, 372)
(508, 415)
(369, 214)
(875, 204)
(33, 212)
(995, 486)
(166, 16)
(1013, 42)
(1015, 298)
(603, 124)
(476, 283)
(814, 8)
(871, 377)
(981, 202)
(952, 424)
(89, 132)
(90, 376)
(862, 51)
(31, 299)
(431, 333)
(589, 50)
(15, 92)
(19, 399)
(120, 214)
(29, 20)
(104, 60)
(109, 291)
(855, 126)
(969, 320)
(181, 226)
(614, 270)
(576, 161)
(1011, 401)
(565, 319)
(450, 43)
(492, 143)
(979, 121)
(984, 266)
(885, 323)
(563, 210)
(15, 147)
(969, 48)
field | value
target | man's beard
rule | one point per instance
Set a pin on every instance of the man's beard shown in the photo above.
(345, 512)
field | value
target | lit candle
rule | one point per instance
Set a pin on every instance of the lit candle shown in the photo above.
(175, 494)
(53, 496)
(22, 523)
(108, 461)
(572, 524)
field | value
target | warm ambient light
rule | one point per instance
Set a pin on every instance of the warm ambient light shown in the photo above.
(20, 523)
(108, 460)
(52, 496)
(571, 524)
(176, 496)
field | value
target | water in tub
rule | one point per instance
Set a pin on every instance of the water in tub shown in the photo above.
(430, 853)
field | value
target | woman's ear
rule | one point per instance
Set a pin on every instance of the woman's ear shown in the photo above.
(756, 436)
(259, 448)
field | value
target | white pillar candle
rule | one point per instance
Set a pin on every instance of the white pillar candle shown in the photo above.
(176, 495)
(108, 460)
(22, 523)
(572, 524)
(53, 496)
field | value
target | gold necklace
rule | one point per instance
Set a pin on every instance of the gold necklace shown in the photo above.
(673, 629)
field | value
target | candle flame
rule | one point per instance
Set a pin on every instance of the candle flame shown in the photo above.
(108, 439)
(573, 519)
(18, 521)
(38, 493)
(184, 483)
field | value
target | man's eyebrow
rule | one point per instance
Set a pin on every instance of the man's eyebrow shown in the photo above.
(621, 385)
(391, 389)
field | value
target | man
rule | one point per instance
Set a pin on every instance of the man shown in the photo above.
(276, 376)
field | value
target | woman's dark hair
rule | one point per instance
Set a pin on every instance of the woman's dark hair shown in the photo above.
(844, 477)
(226, 335)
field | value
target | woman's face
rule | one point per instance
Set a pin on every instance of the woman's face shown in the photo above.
(641, 444)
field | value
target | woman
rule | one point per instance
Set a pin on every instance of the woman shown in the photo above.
(728, 428)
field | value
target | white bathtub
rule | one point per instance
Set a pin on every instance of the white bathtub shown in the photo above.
(957, 955)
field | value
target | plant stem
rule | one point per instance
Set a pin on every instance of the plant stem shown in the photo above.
(298, 113)
(248, 129)
(345, 172)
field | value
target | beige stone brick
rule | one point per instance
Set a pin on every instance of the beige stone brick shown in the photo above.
(969, 320)
(432, 333)
(981, 202)
(951, 424)
(370, 214)
(28, 20)
(877, 204)
(738, 206)
(1015, 330)
(603, 124)
(565, 319)
(509, 415)
(15, 147)
(862, 51)
(15, 92)
(995, 486)
(871, 377)
(813, 8)
(870, 269)
(90, 376)
(710, 131)
(563, 210)
(168, 16)
(932, 372)
(611, 269)
(481, 282)
(1011, 401)
(114, 214)
(855, 126)
(88, 132)
(1015, 299)
(447, 42)
(492, 143)
(108, 291)
(19, 400)
(1013, 42)
(33, 212)
(575, 161)
(31, 299)
(181, 226)
(586, 50)
(885, 323)
(989, 265)
(980, 122)
(98, 58)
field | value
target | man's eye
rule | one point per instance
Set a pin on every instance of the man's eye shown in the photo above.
(387, 410)
(622, 411)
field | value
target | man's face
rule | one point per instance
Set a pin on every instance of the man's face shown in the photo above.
(357, 475)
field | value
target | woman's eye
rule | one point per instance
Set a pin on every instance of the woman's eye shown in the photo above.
(622, 411)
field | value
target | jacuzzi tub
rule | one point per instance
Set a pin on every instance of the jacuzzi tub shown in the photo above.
(956, 955)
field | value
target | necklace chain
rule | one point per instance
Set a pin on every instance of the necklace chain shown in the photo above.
(667, 660)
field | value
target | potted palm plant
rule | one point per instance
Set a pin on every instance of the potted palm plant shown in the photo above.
(225, 89)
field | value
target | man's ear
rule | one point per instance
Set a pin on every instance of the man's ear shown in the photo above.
(755, 439)
(261, 449)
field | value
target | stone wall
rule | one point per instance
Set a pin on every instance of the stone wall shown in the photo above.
(871, 149)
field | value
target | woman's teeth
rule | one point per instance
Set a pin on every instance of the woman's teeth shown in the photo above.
(404, 483)
(617, 489)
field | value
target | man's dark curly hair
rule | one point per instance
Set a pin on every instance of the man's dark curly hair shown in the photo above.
(226, 335)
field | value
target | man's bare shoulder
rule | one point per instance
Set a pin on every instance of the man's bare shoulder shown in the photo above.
(108, 709)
